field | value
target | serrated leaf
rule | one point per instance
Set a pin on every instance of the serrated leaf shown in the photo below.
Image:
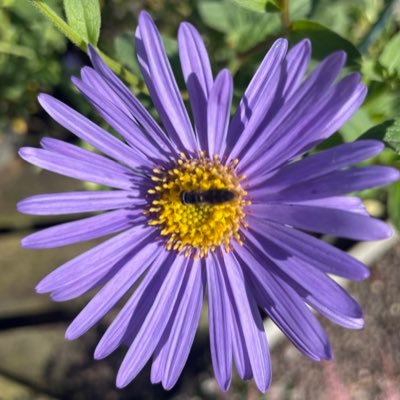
(390, 57)
(259, 5)
(58, 22)
(84, 17)
(324, 41)
(388, 132)
(394, 204)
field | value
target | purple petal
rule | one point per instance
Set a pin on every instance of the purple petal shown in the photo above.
(316, 165)
(198, 76)
(137, 110)
(282, 82)
(256, 99)
(313, 285)
(332, 302)
(89, 132)
(315, 252)
(284, 306)
(340, 117)
(161, 83)
(83, 229)
(295, 66)
(291, 75)
(339, 107)
(346, 203)
(100, 274)
(307, 120)
(186, 319)
(158, 364)
(240, 352)
(172, 332)
(129, 320)
(93, 264)
(337, 183)
(78, 202)
(94, 80)
(298, 108)
(218, 112)
(116, 287)
(125, 125)
(335, 114)
(329, 221)
(78, 169)
(250, 321)
(219, 317)
(76, 152)
(153, 326)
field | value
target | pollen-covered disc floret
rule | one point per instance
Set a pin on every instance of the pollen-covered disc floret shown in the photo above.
(197, 229)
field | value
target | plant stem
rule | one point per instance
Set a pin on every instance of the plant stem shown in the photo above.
(285, 17)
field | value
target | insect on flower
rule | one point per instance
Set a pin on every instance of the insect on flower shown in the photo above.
(250, 250)
(211, 196)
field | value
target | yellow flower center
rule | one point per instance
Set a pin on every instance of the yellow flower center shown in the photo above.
(202, 225)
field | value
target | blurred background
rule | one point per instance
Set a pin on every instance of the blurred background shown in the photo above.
(35, 56)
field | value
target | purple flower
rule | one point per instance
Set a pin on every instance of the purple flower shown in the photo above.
(216, 204)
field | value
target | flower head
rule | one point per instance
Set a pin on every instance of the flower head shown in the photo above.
(219, 203)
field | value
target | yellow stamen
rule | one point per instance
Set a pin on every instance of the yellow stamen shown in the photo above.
(197, 229)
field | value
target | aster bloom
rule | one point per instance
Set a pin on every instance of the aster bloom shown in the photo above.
(249, 252)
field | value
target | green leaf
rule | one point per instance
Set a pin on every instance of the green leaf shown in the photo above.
(18, 51)
(124, 46)
(390, 57)
(170, 45)
(75, 38)
(388, 132)
(339, 14)
(215, 15)
(383, 102)
(84, 18)
(394, 204)
(259, 5)
(357, 124)
(244, 28)
(299, 9)
(324, 41)
(58, 22)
